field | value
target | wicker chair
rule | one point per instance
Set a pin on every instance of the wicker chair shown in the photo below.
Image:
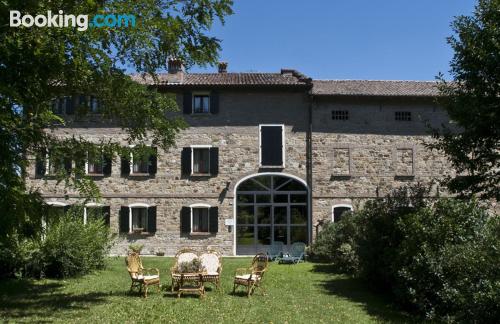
(212, 264)
(141, 278)
(183, 255)
(252, 277)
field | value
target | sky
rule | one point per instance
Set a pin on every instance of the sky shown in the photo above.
(341, 39)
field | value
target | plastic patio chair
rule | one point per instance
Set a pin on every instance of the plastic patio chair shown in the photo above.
(296, 254)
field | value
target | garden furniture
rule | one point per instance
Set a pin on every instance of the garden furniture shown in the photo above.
(296, 254)
(212, 265)
(251, 278)
(141, 278)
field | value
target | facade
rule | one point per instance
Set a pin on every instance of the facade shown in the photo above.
(267, 157)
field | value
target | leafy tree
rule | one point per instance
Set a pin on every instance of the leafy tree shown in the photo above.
(472, 102)
(38, 64)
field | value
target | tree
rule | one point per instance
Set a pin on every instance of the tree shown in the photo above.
(472, 101)
(39, 64)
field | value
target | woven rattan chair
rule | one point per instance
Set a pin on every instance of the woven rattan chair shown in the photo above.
(183, 255)
(212, 264)
(251, 278)
(141, 278)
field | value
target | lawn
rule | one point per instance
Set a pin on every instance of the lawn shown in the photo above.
(307, 292)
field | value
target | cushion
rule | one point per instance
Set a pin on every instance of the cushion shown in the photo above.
(247, 276)
(210, 262)
(149, 277)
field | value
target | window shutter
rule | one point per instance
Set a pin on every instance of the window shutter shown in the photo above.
(187, 103)
(214, 161)
(125, 166)
(153, 162)
(70, 108)
(107, 166)
(271, 145)
(213, 222)
(185, 220)
(214, 102)
(106, 213)
(186, 161)
(152, 219)
(124, 217)
(68, 165)
(40, 166)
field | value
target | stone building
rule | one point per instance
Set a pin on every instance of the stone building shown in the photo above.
(267, 157)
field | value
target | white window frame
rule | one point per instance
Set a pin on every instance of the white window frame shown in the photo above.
(135, 205)
(90, 205)
(192, 158)
(283, 148)
(132, 162)
(340, 205)
(87, 166)
(199, 205)
(200, 93)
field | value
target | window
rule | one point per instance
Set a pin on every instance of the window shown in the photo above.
(340, 114)
(402, 115)
(201, 160)
(139, 219)
(200, 220)
(272, 148)
(95, 164)
(339, 210)
(201, 104)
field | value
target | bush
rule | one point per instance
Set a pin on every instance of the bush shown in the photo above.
(447, 265)
(336, 243)
(71, 248)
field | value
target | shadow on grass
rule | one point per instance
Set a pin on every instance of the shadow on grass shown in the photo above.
(26, 298)
(357, 291)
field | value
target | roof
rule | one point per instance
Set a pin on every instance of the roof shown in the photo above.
(375, 88)
(285, 78)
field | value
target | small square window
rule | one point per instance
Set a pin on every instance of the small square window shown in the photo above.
(200, 220)
(201, 160)
(201, 104)
(139, 219)
(402, 115)
(340, 114)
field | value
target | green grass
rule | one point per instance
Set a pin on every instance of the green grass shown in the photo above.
(304, 293)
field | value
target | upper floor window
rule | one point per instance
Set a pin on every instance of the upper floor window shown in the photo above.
(340, 114)
(201, 104)
(402, 115)
(200, 160)
(272, 146)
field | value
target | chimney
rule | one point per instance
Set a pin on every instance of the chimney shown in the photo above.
(175, 71)
(175, 65)
(222, 67)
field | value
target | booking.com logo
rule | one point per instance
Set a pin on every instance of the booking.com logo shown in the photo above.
(62, 20)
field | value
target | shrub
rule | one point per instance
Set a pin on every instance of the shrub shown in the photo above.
(336, 243)
(447, 265)
(71, 248)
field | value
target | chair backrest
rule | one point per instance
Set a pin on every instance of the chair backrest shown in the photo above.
(185, 255)
(259, 263)
(134, 264)
(276, 248)
(210, 261)
(298, 249)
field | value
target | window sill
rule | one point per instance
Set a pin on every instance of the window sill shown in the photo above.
(201, 234)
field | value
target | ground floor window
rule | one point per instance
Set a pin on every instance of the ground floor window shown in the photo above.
(270, 208)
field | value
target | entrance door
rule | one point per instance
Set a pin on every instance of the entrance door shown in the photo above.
(270, 208)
